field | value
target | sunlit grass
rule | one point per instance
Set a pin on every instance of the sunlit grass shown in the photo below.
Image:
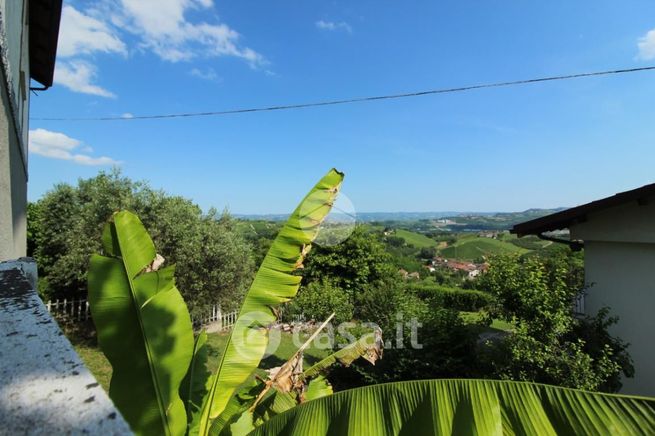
(99, 366)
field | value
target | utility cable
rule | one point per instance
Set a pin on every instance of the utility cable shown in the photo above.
(352, 100)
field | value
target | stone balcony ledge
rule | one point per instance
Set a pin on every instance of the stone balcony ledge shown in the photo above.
(44, 386)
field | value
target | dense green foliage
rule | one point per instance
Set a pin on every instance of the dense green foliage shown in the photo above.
(359, 266)
(443, 346)
(319, 299)
(212, 258)
(550, 344)
(467, 300)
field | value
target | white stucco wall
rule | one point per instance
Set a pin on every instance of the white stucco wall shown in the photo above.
(14, 115)
(623, 279)
(620, 263)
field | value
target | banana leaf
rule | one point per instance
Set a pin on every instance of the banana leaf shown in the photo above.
(274, 283)
(195, 384)
(317, 388)
(143, 327)
(486, 407)
(368, 346)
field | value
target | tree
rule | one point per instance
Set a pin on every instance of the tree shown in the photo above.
(318, 300)
(66, 224)
(549, 344)
(364, 270)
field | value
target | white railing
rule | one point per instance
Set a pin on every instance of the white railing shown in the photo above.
(77, 310)
(73, 310)
(223, 321)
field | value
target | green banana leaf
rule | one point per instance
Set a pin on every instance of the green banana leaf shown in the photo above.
(274, 284)
(318, 388)
(195, 384)
(366, 346)
(485, 407)
(143, 328)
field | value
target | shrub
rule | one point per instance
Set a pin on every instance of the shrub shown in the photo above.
(550, 345)
(319, 299)
(453, 298)
(447, 346)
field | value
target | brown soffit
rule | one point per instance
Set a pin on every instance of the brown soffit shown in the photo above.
(44, 18)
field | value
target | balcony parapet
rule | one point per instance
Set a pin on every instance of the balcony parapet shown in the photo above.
(44, 386)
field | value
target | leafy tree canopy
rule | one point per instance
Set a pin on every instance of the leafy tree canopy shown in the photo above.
(213, 260)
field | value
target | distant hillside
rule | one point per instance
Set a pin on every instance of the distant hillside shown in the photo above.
(416, 239)
(427, 221)
(470, 248)
(495, 221)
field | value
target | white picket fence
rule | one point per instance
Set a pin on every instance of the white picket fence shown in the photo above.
(77, 310)
(222, 321)
(73, 310)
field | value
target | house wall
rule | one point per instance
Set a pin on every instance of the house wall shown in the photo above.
(14, 115)
(619, 260)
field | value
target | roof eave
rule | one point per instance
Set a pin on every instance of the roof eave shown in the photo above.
(44, 20)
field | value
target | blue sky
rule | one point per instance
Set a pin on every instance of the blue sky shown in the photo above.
(544, 145)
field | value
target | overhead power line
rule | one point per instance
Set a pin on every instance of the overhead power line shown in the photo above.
(350, 100)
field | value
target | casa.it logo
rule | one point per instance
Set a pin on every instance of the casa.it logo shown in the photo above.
(337, 226)
(251, 333)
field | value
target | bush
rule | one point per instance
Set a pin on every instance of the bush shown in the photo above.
(549, 344)
(447, 350)
(318, 300)
(452, 298)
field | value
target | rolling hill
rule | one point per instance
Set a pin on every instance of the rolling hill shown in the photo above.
(472, 247)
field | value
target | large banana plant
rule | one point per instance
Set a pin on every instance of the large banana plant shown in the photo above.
(143, 328)
(145, 331)
(466, 407)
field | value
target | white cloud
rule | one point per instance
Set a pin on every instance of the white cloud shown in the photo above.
(160, 26)
(127, 115)
(646, 45)
(78, 76)
(334, 26)
(83, 34)
(163, 28)
(206, 74)
(57, 145)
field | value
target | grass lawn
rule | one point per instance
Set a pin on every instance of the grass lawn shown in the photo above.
(101, 369)
(497, 325)
(95, 361)
(416, 239)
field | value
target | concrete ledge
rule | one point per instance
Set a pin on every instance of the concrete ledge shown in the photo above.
(44, 386)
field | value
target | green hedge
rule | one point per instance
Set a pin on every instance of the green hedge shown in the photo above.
(452, 298)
